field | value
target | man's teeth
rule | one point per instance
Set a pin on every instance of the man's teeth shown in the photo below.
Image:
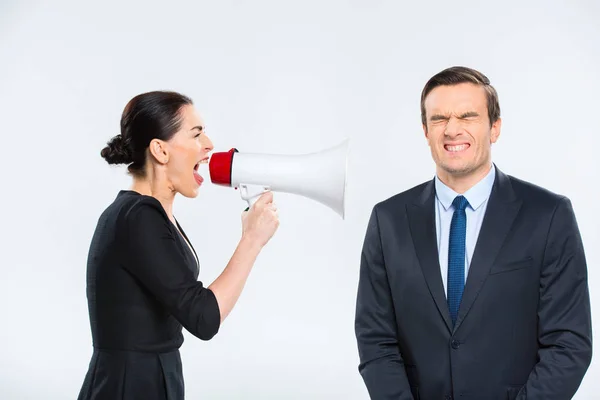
(459, 147)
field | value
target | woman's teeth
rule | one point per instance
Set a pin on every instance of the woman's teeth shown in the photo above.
(197, 166)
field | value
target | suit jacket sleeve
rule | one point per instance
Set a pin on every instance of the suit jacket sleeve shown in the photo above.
(154, 258)
(565, 332)
(381, 364)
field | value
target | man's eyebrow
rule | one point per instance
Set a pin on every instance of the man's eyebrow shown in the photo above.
(470, 114)
(437, 117)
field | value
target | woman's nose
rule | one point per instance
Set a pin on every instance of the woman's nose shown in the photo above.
(208, 144)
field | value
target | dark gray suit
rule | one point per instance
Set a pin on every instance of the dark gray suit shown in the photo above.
(524, 326)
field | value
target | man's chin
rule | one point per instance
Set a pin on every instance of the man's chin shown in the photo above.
(462, 169)
(456, 169)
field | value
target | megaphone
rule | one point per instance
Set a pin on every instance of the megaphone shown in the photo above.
(320, 176)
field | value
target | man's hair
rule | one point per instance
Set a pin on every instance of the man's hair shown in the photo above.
(456, 75)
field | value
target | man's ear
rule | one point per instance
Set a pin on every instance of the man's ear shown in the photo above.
(426, 133)
(495, 134)
(159, 151)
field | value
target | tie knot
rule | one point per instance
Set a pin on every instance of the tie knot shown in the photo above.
(460, 203)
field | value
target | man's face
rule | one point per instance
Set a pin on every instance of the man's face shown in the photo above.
(458, 129)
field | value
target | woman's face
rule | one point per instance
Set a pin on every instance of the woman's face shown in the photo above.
(185, 151)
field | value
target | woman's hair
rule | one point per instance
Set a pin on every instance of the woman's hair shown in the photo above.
(148, 116)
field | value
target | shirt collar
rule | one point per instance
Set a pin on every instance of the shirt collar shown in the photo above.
(476, 196)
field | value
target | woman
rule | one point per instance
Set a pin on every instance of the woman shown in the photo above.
(142, 270)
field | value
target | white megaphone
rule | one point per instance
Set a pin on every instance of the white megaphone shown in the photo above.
(319, 176)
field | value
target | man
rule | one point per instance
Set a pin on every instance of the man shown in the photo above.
(472, 285)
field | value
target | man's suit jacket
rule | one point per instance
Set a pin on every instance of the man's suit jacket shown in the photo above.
(524, 326)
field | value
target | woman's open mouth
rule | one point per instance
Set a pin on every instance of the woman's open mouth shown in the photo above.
(197, 177)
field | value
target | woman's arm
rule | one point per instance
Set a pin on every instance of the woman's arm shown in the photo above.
(258, 226)
(153, 257)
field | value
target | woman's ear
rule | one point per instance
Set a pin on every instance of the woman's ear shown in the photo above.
(159, 151)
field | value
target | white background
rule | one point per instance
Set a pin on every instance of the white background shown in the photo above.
(268, 77)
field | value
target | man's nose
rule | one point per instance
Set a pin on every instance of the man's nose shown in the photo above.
(454, 127)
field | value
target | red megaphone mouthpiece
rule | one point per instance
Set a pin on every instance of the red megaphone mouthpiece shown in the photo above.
(220, 167)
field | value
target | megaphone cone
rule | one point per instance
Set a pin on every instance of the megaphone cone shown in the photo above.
(320, 176)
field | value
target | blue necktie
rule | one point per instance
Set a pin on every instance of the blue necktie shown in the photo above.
(456, 256)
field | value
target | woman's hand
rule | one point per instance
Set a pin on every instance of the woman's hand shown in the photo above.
(261, 221)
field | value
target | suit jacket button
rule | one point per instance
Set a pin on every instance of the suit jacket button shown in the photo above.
(455, 344)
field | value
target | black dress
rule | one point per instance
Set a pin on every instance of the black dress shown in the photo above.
(142, 288)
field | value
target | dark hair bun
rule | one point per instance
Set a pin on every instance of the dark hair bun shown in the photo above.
(117, 151)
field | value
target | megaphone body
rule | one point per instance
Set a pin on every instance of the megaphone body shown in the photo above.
(320, 176)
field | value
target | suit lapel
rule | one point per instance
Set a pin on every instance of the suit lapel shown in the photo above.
(499, 216)
(421, 217)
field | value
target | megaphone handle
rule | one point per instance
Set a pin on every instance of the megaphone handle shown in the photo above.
(251, 202)
(251, 193)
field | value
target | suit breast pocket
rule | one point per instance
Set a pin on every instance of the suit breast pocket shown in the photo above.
(514, 265)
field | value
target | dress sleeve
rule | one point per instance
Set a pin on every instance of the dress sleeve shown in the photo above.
(153, 257)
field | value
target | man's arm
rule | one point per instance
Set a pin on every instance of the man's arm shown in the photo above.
(381, 364)
(565, 327)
